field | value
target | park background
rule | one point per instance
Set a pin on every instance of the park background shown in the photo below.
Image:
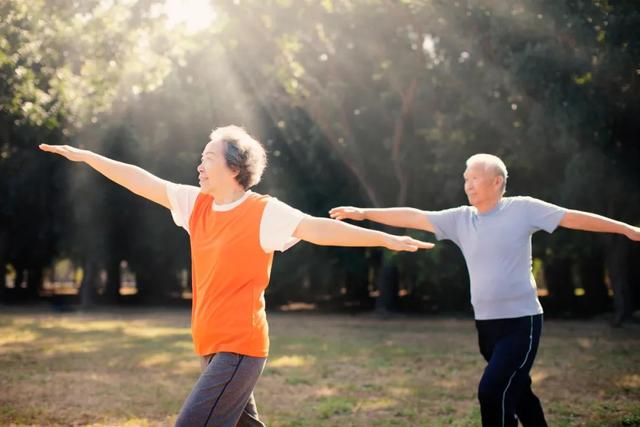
(364, 102)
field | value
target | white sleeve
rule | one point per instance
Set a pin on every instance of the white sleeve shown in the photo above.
(278, 223)
(182, 199)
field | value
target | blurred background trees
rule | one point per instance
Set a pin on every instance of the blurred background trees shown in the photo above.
(369, 103)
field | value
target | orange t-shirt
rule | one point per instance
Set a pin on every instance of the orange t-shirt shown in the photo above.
(230, 273)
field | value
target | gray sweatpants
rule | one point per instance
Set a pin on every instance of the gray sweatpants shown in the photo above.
(223, 395)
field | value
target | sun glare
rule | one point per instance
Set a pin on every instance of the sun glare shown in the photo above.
(195, 15)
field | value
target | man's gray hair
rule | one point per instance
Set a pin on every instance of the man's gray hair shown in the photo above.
(492, 163)
(242, 153)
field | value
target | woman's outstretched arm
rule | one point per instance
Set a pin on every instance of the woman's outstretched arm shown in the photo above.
(133, 178)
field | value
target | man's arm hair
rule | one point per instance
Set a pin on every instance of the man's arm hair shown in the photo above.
(396, 217)
(586, 221)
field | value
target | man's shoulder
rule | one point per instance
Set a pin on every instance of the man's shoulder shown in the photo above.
(457, 213)
(519, 201)
(523, 201)
(462, 209)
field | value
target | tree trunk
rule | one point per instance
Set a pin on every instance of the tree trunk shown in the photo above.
(634, 275)
(112, 288)
(617, 260)
(34, 283)
(87, 287)
(153, 286)
(591, 270)
(16, 294)
(357, 285)
(3, 264)
(559, 280)
(3, 277)
(388, 279)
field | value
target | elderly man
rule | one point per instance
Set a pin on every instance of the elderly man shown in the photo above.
(233, 234)
(494, 234)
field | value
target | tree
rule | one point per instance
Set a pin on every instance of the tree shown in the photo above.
(62, 65)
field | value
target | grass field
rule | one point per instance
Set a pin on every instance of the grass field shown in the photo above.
(132, 367)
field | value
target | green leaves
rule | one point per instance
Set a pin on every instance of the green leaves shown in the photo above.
(77, 61)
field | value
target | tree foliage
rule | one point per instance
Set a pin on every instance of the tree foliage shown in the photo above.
(363, 102)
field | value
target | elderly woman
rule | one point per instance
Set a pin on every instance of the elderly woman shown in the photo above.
(233, 234)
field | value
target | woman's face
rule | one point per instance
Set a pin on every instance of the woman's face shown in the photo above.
(213, 172)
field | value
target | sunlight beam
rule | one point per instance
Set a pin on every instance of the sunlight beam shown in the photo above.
(194, 15)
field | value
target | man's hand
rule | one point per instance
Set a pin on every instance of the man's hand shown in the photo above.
(347, 212)
(633, 233)
(395, 217)
(71, 153)
(406, 243)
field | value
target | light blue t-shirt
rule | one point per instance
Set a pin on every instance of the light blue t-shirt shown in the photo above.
(497, 248)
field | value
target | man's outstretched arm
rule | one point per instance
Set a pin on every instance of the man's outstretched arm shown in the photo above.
(396, 217)
(586, 221)
(328, 232)
(133, 178)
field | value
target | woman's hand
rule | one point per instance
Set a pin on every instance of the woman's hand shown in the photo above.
(71, 153)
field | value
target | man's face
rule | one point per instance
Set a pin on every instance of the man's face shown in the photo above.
(481, 185)
(213, 172)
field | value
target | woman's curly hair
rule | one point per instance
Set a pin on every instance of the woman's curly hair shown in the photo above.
(243, 154)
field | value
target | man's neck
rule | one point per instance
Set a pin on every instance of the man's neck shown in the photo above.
(487, 206)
